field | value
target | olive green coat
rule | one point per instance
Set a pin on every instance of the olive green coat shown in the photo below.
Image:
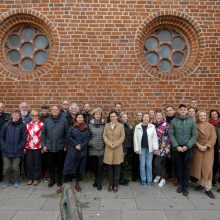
(115, 136)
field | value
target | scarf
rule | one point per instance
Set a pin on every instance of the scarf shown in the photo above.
(214, 121)
(82, 126)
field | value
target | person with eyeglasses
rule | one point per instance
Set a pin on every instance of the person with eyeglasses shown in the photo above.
(33, 149)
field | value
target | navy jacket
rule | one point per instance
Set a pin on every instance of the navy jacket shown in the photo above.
(13, 139)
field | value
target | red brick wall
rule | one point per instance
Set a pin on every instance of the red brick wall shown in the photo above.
(97, 60)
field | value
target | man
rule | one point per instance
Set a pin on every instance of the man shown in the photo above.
(4, 118)
(183, 134)
(25, 115)
(194, 104)
(64, 108)
(53, 141)
(73, 110)
(13, 139)
(87, 115)
(118, 107)
(45, 112)
(170, 114)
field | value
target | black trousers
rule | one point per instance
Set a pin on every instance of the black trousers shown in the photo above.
(135, 170)
(55, 165)
(44, 160)
(114, 175)
(160, 166)
(33, 164)
(215, 168)
(97, 167)
(126, 163)
(1, 166)
(183, 161)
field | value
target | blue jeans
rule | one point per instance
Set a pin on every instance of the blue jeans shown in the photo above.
(146, 164)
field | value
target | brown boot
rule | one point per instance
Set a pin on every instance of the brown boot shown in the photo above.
(77, 187)
(29, 182)
(36, 182)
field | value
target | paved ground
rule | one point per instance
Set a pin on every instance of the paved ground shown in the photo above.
(130, 203)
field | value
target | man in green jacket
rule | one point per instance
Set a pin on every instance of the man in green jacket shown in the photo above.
(183, 134)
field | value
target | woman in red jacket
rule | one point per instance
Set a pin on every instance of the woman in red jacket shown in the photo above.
(33, 149)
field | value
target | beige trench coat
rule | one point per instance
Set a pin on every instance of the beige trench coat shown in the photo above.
(202, 162)
(115, 136)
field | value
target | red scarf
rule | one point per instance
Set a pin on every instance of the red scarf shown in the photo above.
(82, 126)
(214, 121)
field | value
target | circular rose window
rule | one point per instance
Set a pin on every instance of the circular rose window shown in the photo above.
(26, 48)
(165, 49)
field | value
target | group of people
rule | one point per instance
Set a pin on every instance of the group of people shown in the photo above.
(65, 142)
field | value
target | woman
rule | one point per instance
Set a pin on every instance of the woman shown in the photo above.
(97, 145)
(192, 113)
(152, 116)
(75, 162)
(114, 136)
(33, 149)
(203, 154)
(145, 143)
(127, 147)
(162, 128)
(214, 119)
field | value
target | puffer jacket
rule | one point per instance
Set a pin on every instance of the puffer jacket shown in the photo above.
(96, 144)
(182, 132)
(13, 138)
(54, 134)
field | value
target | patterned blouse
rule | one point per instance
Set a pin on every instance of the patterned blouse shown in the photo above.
(163, 139)
(33, 135)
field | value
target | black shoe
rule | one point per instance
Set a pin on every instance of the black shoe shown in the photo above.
(199, 188)
(95, 184)
(179, 189)
(185, 192)
(210, 194)
(218, 190)
(214, 182)
(59, 184)
(123, 182)
(193, 179)
(99, 187)
(51, 183)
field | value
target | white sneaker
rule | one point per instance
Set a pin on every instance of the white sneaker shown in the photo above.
(157, 179)
(162, 182)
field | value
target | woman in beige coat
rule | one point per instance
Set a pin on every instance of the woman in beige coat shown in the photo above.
(114, 136)
(203, 155)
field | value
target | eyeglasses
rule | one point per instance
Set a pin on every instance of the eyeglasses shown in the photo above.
(34, 115)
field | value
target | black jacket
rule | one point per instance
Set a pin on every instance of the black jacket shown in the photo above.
(13, 138)
(54, 134)
(128, 142)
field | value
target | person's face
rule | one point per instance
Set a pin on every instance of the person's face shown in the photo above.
(146, 119)
(118, 108)
(113, 117)
(87, 108)
(35, 117)
(79, 119)
(159, 117)
(124, 118)
(45, 111)
(23, 107)
(65, 105)
(151, 114)
(194, 104)
(1, 108)
(55, 111)
(73, 110)
(192, 112)
(97, 116)
(183, 111)
(139, 116)
(214, 115)
(202, 116)
(170, 111)
(15, 116)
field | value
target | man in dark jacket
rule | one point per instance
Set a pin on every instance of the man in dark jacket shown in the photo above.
(4, 118)
(87, 115)
(13, 139)
(64, 108)
(53, 141)
(183, 134)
